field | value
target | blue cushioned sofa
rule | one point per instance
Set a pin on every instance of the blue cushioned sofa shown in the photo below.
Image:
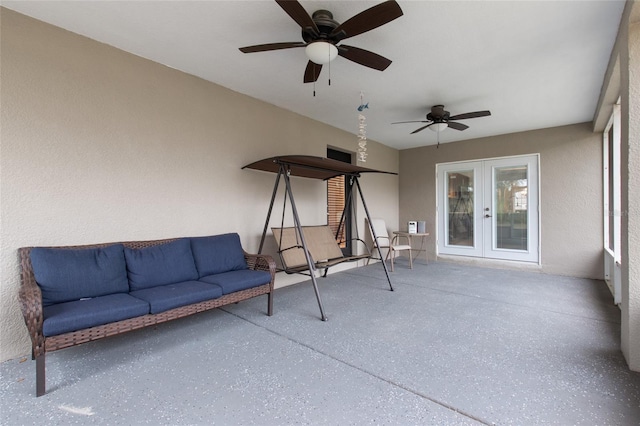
(76, 294)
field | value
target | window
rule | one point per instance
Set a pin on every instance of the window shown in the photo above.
(336, 200)
(610, 187)
(612, 203)
(335, 207)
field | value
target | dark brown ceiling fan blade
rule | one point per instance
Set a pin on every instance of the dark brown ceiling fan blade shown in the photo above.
(470, 115)
(422, 128)
(312, 72)
(272, 46)
(367, 20)
(457, 126)
(298, 14)
(416, 121)
(364, 57)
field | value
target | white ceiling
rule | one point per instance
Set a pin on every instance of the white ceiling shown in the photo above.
(534, 64)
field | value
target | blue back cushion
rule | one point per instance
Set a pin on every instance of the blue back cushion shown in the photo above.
(72, 274)
(159, 265)
(218, 253)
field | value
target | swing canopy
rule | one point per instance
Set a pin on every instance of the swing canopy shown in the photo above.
(311, 167)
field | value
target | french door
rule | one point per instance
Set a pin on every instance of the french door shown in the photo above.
(489, 208)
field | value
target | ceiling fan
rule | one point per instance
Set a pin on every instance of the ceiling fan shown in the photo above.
(439, 119)
(321, 35)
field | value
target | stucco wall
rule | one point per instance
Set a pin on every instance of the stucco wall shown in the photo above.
(630, 174)
(570, 190)
(100, 145)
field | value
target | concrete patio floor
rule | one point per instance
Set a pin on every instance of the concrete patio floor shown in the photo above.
(453, 345)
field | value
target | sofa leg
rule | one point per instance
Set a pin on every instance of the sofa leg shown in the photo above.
(40, 381)
(270, 303)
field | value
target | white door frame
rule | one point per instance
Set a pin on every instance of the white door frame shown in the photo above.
(484, 228)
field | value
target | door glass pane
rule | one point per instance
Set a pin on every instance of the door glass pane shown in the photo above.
(511, 199)
(460, 199)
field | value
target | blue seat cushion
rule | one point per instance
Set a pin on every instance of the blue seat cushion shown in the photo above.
(218, 253)
(71, 274)
(80, 314)
(159, 265)
(238, 280)
(165, 297)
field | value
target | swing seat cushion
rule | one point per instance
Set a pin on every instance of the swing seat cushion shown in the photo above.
(321, 243)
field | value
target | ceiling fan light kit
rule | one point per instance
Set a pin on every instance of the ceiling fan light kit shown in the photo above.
(438, 127)
(321, 52)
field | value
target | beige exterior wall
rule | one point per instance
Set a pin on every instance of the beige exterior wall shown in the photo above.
(570, 191)
(630, 171)
(100, 145)
(622, 81)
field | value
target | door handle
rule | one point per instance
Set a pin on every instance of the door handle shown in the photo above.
(487, 215)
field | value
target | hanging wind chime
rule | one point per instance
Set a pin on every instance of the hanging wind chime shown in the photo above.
(362, 131)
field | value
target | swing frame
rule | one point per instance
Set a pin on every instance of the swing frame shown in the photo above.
(314, 168)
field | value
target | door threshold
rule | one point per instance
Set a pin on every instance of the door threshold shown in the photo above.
(491, 263)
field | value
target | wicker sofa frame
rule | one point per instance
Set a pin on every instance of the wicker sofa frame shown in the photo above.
(30, 298)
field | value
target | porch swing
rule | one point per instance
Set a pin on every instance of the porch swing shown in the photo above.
(307, 249)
